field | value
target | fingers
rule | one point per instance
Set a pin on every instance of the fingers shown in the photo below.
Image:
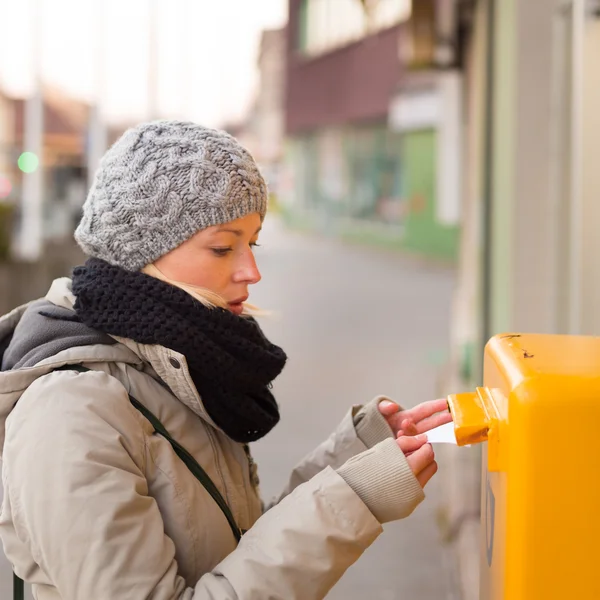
(388, 408)
(426, 409)
(411, 444)
(417, 417)
(409, 427)
(422, 458)
(434, 421)
(427, 473)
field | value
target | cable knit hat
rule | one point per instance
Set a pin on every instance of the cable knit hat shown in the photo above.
(161, 183)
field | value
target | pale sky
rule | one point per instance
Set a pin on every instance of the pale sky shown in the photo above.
(206, 55)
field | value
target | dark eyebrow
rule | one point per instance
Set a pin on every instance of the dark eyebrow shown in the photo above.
(237, 232)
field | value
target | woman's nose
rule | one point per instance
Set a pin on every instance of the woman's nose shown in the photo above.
(248, 271)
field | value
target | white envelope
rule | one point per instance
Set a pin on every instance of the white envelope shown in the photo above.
(444, 434)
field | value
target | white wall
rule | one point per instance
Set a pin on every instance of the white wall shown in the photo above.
(590, 180)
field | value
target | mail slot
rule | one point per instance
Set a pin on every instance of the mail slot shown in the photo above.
(539, 416)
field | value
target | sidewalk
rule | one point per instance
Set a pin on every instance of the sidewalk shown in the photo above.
(460, 512)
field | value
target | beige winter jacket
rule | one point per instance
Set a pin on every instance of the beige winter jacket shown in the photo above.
(97, 506)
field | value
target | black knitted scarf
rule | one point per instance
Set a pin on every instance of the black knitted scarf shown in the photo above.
(231, 361)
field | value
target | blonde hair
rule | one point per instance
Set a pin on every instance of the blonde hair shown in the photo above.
(203, 295)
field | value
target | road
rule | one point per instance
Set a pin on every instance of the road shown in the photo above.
(355, 322)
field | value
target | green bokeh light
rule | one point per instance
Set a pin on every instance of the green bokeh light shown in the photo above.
(28, 162)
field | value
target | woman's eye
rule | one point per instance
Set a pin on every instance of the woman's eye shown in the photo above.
(254, 245)
(221, 251)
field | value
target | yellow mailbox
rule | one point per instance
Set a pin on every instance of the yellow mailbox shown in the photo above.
(540, 414)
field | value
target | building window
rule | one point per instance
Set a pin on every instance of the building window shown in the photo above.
(302, 40)
(324, 25)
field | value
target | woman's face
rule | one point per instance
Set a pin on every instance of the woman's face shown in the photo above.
(219, 258)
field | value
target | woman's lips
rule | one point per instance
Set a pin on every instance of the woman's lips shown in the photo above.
(237, 306)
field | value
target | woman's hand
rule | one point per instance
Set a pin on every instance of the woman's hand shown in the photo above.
(420, 457)
(409, 427)
(414, 421)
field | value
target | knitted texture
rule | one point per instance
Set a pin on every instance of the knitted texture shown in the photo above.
(384, 481)
(161, 183)
(230, 360)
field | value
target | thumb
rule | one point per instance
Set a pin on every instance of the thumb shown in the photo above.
(388, 408)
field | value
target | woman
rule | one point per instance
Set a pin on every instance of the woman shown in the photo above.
(128, 397)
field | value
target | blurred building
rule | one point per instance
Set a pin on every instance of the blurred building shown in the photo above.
(374, 123)
(8, 150)
(264, 127)
(542, 202)
(528, 259)
(62, 161)
(6, 135)
(6, 175)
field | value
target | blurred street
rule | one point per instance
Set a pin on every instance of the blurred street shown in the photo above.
(355, 323)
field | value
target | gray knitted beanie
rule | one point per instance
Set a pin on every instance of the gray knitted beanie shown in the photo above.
(161, 183)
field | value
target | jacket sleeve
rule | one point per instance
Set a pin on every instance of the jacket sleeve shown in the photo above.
(362, 428)
(79, 500)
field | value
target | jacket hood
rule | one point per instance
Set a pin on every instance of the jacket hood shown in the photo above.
(44, 334)
(44, 330)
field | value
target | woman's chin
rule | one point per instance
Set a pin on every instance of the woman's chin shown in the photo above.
(236, 309)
